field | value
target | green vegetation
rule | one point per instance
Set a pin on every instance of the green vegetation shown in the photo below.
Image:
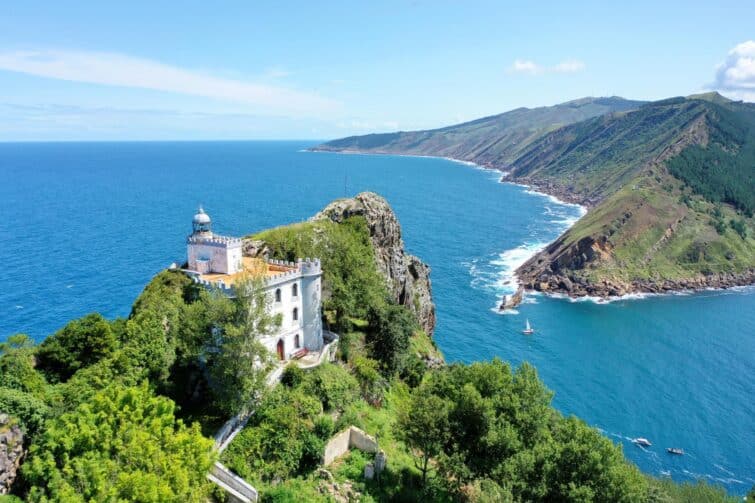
(124, 444)
(495, 140)
(723, 170)
(665, 213)
(79, 344)
(89, 401)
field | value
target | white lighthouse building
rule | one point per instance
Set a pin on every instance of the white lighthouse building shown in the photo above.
(293, 288)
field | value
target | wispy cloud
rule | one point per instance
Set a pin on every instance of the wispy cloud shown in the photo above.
(528, 67)
(736, 75)
(122, 70)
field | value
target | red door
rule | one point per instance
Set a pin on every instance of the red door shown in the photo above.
(280, 350)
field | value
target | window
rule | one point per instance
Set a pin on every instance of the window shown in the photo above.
(296, 341)
(295, 290)
(278, 295)
(296, 313)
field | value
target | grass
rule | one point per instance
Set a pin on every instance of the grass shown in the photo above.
(651, 235)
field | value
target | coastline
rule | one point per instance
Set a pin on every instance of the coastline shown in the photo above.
(560, 287)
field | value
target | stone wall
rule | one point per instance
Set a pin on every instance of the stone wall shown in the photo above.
(341, 442)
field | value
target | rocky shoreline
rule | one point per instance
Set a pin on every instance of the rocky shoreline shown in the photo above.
(575, 287)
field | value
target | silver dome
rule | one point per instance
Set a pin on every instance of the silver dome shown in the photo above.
(201, 217)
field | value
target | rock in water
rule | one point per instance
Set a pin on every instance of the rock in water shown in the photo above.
(407, 276)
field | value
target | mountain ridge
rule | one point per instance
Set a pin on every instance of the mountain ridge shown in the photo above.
(670, 185)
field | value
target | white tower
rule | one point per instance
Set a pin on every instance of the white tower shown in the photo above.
(210, 253)
(311, 273)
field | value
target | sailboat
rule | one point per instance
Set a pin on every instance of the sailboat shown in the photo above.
(528, 329)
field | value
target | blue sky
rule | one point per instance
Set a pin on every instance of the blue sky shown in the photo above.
(272, 70)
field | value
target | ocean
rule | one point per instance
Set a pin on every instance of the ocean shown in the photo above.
(85, 226)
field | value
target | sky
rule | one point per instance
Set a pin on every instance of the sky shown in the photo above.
(198, 70)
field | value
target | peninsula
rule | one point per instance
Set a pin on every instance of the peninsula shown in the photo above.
(107, 410)
(670, 187)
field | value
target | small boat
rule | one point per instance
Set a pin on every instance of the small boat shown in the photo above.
(642, 442)
(675, 450)
(528, 330)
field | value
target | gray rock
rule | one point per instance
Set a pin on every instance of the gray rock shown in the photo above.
(407, 276)
(11, 452)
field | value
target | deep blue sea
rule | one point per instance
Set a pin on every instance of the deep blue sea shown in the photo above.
(83, 227)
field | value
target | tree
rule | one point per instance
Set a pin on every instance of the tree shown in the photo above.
(17, 365)
(391, 326)
(424, 427)
(79, 344)
(125, 444)
(236, 359)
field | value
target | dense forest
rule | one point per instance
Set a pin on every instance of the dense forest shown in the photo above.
(724, 170)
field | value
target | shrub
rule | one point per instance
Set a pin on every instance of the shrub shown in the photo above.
(324, 427)
(78, 345)
(31, 412)
(335, 386)
(292, 376)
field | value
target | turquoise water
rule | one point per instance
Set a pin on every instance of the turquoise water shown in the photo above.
(85, 225)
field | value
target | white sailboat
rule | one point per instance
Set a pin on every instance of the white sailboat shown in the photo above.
(528, 330)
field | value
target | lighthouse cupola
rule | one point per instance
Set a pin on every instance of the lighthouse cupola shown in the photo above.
(201, 224)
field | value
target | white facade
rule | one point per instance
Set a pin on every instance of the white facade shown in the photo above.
(214, 254)
(296, 296)
(293, 288)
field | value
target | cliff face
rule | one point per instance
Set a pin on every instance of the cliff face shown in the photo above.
(408, 278)
(11, 452)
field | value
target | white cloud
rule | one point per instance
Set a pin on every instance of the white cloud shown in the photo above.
(569, 66)
(736, 76)
(528, 67)
(122, 70)
(525, 66)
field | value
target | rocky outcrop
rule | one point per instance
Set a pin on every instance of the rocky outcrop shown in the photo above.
(11, 452)
(407, 276)
(558, 269)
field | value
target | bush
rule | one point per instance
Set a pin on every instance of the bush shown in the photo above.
(324, 427)
(31, 412)
(413, 371)
(391, 326)
(334, 385)
(79, 344)
(279, 440)
(292, 376)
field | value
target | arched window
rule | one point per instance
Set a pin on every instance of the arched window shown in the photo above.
(278, 295)
(295, 290)
(296, 313)
(296, 341)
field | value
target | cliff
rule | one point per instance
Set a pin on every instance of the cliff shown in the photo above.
(408, 278)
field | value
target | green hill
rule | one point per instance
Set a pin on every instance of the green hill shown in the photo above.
(494, 141)
(670, 186)
(673, 190)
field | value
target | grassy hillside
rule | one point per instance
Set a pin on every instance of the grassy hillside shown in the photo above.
(673, 186)
(496, 140)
